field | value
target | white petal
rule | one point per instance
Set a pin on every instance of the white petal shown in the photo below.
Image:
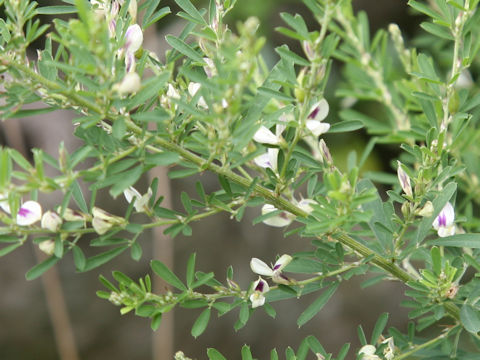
(133, 38)
(305, 205)
(257, 299)
(29, 213)
(283, 261)
(260, 268)
(262, 160)
(280, 220)
(317, 128)
(445, 231)
(131, 193)
(130, 83)
(193, 87)
(51, 221)
(268, 160)
(319, 111)
(445, 218)
(172, 92)
(265, 136)
(4, 205)
(101, 226)
(47, 246)
(367, 350)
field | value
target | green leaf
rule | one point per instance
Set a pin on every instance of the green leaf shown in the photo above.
(166, 274)
(78, 258)
(214, 354)
(8, 249)
(56, 10)
(470, 318)
(185, 49)
(345, 126)
(78, 196)
(317, 305)
(201, 323)
(155, 116)
(191, 270)
(379, 327)
(102, 258)
(126, 179)
(136, 251)
(244, 314)
(191, 10)
(296, 23)
(150, 88)
(459, 240)
(246, 353)
(271, 93)
(285, 52)
(40, 268)
(156, 320)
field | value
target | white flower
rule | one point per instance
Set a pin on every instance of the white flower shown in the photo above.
(103, 221)
(47, 246)
(275, 272)
(426, 210)
(305, 205)
(140, 201)
(4, 205)
(210, 69)
(444, 222)
(193, 88)
(268, 159)
(318, 112)
(260, 287)
(172, 92)
(404, 180)
(388, 352)
(265, 136)
(51, 221)
(133, 38)
(29, 213)
(368, 353)
(130, 83)
(73, 215)
(280, 220)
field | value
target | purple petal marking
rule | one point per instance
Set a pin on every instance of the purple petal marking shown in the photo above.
(260, 286)
(24, 212)
(314, 113)
(442, 219)
(276, 267)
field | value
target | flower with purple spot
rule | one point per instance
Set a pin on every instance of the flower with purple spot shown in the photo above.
(318, 112)
(260, 287)
(444, 223)
(268, 160)
(282, 219)
(29, 213)
(275, 272)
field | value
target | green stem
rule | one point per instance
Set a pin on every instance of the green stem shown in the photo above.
(424, 345)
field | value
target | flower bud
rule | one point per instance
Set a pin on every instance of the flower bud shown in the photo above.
(404, 180)
(47, 247)
(51, 221)
(133, 38)
(426, 210)
(132, 9)
(130, 83)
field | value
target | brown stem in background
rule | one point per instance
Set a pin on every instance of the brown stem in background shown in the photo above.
(57, 309)
(163, 338)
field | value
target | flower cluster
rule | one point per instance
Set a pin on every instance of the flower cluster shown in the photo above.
(260, 287)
